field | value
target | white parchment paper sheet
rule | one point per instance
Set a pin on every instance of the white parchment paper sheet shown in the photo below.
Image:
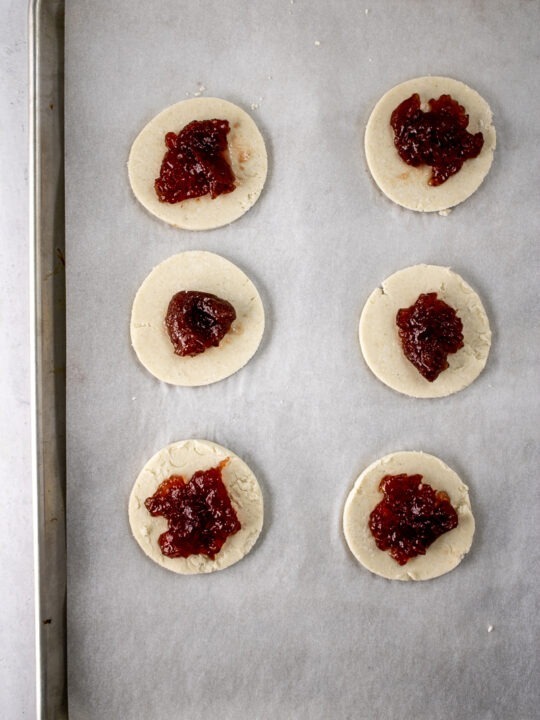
(298, 629)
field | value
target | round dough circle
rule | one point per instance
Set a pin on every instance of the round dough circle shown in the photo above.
(185, 458)
(444, 554)
(379, 338)
(204, 271)
(408, 186)
(248, 161)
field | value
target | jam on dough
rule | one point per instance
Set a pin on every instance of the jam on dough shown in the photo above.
(410, 517)
(429, 330)
(186, 458)
(437, 137)
(196, 321)
(444, 554)
(409, 186)
(248, 162)
(199, 513)
(379, 335)
(208, 273)
(196, 162)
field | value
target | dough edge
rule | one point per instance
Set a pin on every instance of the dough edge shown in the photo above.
(379, 339)
(248, 156)
(407, 186)
(184, 458)
(444, 554)
(195, 270)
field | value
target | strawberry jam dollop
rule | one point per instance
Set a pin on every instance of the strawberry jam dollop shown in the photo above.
(197, 320)
(429, 331)
(411, 516)
(199, 514)
(195, 163)
(438, 137)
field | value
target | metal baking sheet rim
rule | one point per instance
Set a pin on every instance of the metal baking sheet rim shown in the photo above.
(47, 322)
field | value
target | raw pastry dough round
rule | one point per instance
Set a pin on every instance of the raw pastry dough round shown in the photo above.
(444, 554)
(381, 345)
(205, 271)
(407, 185)
(185, 458)
(247, 157)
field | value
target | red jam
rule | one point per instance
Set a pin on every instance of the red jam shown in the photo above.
(199, 513)
(411, 516)
(196, 321)
(438, 137)
(195, 163)
(429, 331)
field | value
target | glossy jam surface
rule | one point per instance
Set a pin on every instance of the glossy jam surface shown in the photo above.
(411, 517)
(429, 331)
(199, 513)
(195, 163)
(197, 320)
(438, 137)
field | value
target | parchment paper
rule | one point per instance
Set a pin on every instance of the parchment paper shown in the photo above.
(298, 629)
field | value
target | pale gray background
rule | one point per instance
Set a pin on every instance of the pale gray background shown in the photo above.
(17, 666)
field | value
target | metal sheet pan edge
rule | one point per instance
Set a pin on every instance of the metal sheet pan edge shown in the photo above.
(47, 282)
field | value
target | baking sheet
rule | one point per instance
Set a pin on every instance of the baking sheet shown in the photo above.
(298, 629)
(48, 351)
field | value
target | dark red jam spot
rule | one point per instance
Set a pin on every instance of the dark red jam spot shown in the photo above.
(429, 331)
(195, 163)
(199, 514)
(411, 516)
(196, 321)
(438, 137)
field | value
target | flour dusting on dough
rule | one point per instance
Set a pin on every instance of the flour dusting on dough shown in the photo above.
(185, 458)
